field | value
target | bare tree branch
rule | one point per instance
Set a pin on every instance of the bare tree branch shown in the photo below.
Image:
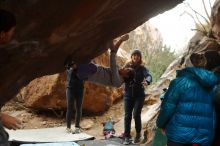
(185, 12)
(201, 24)
(199, 31)
(206, 12)
(195, 20)
(210, 4)
(207, 21)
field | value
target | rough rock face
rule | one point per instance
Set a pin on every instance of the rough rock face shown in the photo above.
(37, 94)
(50, 31)
(48, 92)
(204, 47)
(142, 34)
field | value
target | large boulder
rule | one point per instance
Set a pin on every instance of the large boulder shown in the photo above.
(48, 92)
(50, 31)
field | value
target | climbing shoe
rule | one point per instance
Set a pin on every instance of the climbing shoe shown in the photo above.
(127, 141)
(76, 131)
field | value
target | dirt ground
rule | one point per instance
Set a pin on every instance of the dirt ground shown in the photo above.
(91, 124)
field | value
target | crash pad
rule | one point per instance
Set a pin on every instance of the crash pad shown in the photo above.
(53, 144)
(102, 143)
(44, 135)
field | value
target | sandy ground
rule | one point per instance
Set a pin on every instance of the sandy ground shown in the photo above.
(91, 124)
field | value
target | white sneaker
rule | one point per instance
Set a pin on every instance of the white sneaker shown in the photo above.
(76, 131)
(68, 130)
(137, 138)
(126, 141)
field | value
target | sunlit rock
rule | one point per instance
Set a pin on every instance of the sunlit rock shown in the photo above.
(48, 92)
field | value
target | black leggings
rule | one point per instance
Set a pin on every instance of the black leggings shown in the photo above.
(134, 105)
(74, 93)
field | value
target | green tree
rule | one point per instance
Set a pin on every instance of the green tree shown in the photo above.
(160, 61)
(156, 56)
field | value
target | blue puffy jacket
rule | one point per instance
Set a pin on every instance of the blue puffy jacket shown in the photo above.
(187, 111)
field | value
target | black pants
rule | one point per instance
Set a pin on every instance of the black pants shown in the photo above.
(132, 105)
(74, 93)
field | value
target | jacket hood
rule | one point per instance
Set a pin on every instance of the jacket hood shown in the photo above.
(204, 77)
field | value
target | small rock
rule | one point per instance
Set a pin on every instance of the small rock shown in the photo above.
(86, 124)
(44, 122)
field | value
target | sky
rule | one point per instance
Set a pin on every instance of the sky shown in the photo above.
(175, 25)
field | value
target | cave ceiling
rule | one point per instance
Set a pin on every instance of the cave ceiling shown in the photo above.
(50, 31)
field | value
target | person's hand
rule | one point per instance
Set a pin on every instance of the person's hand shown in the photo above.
(145, 83)
(114, 45)
(124, 37)
(10, 122)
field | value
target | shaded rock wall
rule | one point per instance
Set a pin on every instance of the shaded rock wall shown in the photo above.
(49, 31)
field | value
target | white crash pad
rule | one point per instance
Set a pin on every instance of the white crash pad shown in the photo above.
(57, 134)
(53, 144)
